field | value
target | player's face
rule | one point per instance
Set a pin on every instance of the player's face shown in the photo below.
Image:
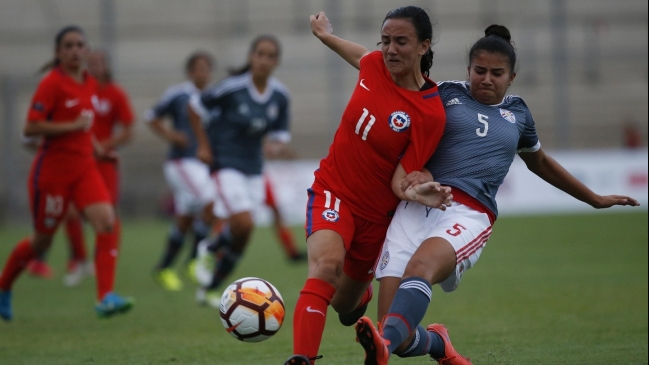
(97, 64)
(489, 76)
(264, 59)
(401, 49)
(201, 72)
(71, 51)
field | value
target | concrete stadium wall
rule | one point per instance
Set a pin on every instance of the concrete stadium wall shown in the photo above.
(605, 82)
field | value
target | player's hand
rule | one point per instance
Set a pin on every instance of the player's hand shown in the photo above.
(607, 201)
(83, 121)
(320, 25)
(430, 194)
(416, 178)
(179, 139)
(204, 154)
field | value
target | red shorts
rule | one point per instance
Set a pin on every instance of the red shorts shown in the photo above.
(363, 239)
(51, 190)
(109, 171)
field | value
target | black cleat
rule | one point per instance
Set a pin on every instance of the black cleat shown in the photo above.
(301, 360)
(350, 319)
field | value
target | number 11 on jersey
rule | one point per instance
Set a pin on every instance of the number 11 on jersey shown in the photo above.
(367, 127)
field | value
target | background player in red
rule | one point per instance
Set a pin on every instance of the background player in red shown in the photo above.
(64, 171)
(391, 126)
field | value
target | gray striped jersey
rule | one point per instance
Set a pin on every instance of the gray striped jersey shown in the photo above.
(173, 105)
(239, 118)
(480, 142)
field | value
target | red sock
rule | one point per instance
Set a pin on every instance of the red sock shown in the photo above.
(367, 296)
(74, 231)
(105, 262)
(17, 261)
(288, 242)
(310, 316)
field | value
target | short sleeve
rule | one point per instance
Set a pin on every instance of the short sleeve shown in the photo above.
(424, 138)
(43, 101)
(163, 108)
(529, 141)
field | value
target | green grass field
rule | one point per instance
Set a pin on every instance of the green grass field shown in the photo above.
(547, 290)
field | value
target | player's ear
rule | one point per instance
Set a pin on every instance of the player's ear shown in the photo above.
(511, 78)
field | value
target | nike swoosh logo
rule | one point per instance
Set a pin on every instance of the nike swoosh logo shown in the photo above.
(363, 85)
(72, 102)
(310, 310)
(230, 329)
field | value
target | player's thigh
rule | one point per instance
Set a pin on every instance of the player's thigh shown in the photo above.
(409, 228)
(110, 174)
(91, 196)
(326, 254)
(190, 183)
(468, 231)
(388, 287)
(434, 260)
(237, 192)
(49, 199)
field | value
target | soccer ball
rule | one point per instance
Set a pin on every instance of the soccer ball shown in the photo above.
(252, 310)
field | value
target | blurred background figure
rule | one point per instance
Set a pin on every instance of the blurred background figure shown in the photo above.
(187, 177)
(64, 171)
(632, 134)
(244, 111)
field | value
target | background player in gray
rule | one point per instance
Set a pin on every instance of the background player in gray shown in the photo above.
(244, 110)
(187, 176)
(483, 133)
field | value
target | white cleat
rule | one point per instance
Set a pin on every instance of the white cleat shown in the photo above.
(211, 298)
(77, 271)
(205, 263)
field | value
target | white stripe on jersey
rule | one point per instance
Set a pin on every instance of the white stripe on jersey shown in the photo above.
(231, 84)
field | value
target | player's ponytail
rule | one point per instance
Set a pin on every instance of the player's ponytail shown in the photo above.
(497, 39)
(57, 43)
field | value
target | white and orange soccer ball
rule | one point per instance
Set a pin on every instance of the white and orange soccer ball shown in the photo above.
(252, 309)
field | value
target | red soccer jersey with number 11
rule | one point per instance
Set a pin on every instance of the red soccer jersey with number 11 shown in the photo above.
(382, 126)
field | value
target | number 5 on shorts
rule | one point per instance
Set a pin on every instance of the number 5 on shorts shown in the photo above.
(457, 229)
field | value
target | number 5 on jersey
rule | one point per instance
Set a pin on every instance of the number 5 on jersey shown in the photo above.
(484, 120)
(367, 127)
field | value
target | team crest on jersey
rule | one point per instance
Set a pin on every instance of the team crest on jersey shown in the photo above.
(244, 109)
(102, 106)
(385, 259)
(330, 215)
(509, 116)
(399, 121)
(272, 111)
(38, 106)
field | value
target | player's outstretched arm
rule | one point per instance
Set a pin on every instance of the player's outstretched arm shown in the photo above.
(349, 51)
(552, 172)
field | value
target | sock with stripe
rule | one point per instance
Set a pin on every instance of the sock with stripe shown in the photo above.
(16, 263)
(310, 316)
(74, 232)
(424, 343)
(175, 241)
(106, 252)
(407, 310)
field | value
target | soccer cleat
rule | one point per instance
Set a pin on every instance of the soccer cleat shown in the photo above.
(208, 297)
(191, 271)
(168, 279)
(77, 271)
(298, 257)
(376, 349)
(40, 268)
(301, 360)
(349, 319)
(205, 263)
(5, 305)
(451, 357)
(113, 304)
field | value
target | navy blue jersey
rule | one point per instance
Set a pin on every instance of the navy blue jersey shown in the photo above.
(480, 142)
(239, 119)
(173, 105)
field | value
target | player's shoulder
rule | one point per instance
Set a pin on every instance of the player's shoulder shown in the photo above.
(374, 58)
(230, 84)
(174, 91)
(453, 85)
(515, 101)
(277, 86)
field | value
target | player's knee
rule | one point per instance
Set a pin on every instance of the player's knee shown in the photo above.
(40, 243)
(326, 267)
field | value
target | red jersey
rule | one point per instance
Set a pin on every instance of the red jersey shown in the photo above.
(382, 126)
(59, 98)
(111, 107)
